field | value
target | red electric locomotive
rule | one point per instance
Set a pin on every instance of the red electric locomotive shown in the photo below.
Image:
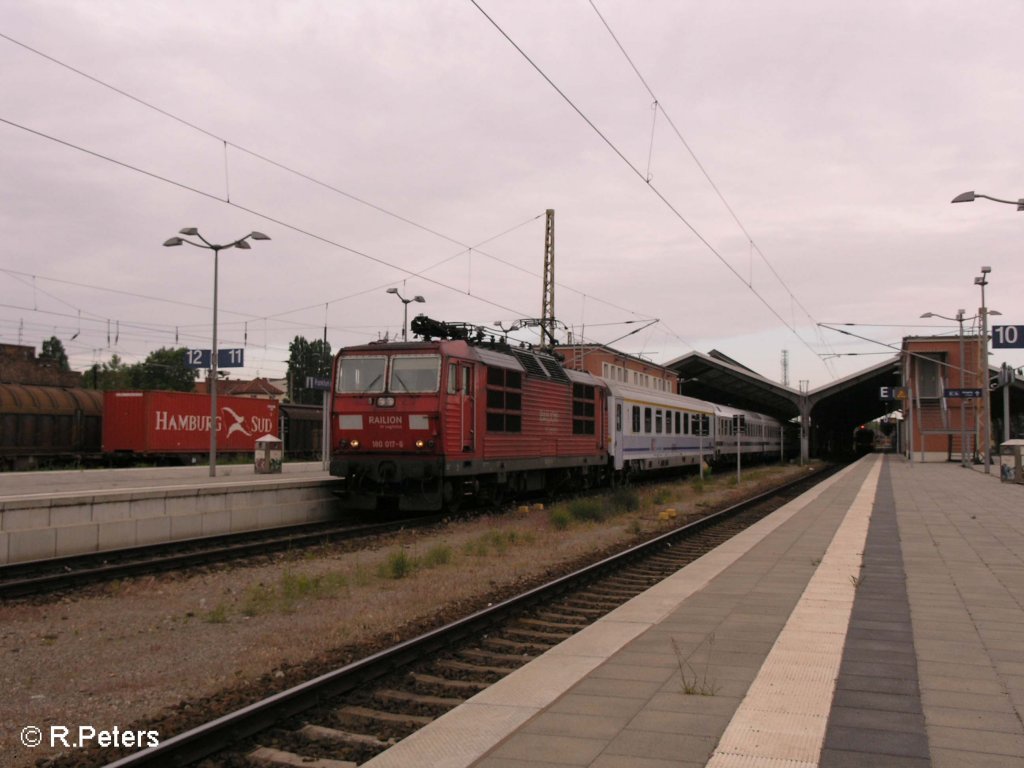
(419, 426)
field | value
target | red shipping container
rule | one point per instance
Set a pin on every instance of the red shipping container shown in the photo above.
(179, 422)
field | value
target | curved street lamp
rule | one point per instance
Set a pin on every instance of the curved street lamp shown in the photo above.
(242, 243)
(969, 197)
(405, 308)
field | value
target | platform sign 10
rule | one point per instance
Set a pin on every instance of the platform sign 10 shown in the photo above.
(1008, 336)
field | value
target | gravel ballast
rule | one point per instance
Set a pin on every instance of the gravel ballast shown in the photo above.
(164, 653)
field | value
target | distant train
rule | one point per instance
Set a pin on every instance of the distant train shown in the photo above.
(419, 426)
(44, 426)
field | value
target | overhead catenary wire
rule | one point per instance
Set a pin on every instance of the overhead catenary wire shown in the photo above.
(636, 171)
(288, 169)
(227, 194)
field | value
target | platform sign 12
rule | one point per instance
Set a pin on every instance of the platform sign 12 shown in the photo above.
(197, 358)
(1008, 336)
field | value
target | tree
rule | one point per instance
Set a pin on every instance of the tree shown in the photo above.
(305, 359)
(164, 369)
(53, 351)
(113, 375)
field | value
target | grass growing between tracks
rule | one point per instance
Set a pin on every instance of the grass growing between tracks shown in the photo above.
(636, 511)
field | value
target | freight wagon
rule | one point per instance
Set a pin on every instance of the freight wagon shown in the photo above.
(157, 423)
(48, 425)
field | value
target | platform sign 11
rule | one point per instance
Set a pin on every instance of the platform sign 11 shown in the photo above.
(1008, 336)
(230, 358)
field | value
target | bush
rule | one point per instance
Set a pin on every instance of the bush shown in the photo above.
(440, 554)
(397, 566)
(560, 518)
(625, 500)
(587, 510)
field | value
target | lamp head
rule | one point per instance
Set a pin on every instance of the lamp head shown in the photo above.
(926, 314)
(986, 270)
(171, 241)
(243, 245)
(391, 290)
(420, 299)
(258, 236)
(189, 232)
(965, 197)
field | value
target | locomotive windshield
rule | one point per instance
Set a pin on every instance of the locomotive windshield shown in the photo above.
(361, 374)
(415, 373)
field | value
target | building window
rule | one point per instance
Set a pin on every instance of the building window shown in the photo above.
(930, 374)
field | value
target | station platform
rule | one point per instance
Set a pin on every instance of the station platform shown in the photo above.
(20, 485)
(45, 515)
(875, 621)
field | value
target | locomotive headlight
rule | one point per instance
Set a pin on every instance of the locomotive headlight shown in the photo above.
(385, 402)
(420, 444)
(354, 443)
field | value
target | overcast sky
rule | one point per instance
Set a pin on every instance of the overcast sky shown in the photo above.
(798, 169)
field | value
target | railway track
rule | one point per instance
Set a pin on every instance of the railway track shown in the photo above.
(347, 716)
(43, 576)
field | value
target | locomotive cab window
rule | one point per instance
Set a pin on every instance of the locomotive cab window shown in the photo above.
(415, 373)
(357, 375)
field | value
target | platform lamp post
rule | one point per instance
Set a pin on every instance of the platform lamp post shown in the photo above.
(970, 197)
(405, 309)
(216, 248)
(963, 426)
(985, 399)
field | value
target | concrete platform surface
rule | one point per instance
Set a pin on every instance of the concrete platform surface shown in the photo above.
(16, 486)
(875, 621)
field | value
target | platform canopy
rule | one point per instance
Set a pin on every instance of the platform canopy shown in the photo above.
(834, 410)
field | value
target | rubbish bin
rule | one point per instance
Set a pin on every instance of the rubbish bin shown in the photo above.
(269, 453)
(1013, 473)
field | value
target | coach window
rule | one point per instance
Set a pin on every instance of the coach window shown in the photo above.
(636, 420)
(618, 417)
(657, 421)
(647, 421)
(668, 422)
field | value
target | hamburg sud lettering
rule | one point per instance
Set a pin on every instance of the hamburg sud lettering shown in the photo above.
(165, 421)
